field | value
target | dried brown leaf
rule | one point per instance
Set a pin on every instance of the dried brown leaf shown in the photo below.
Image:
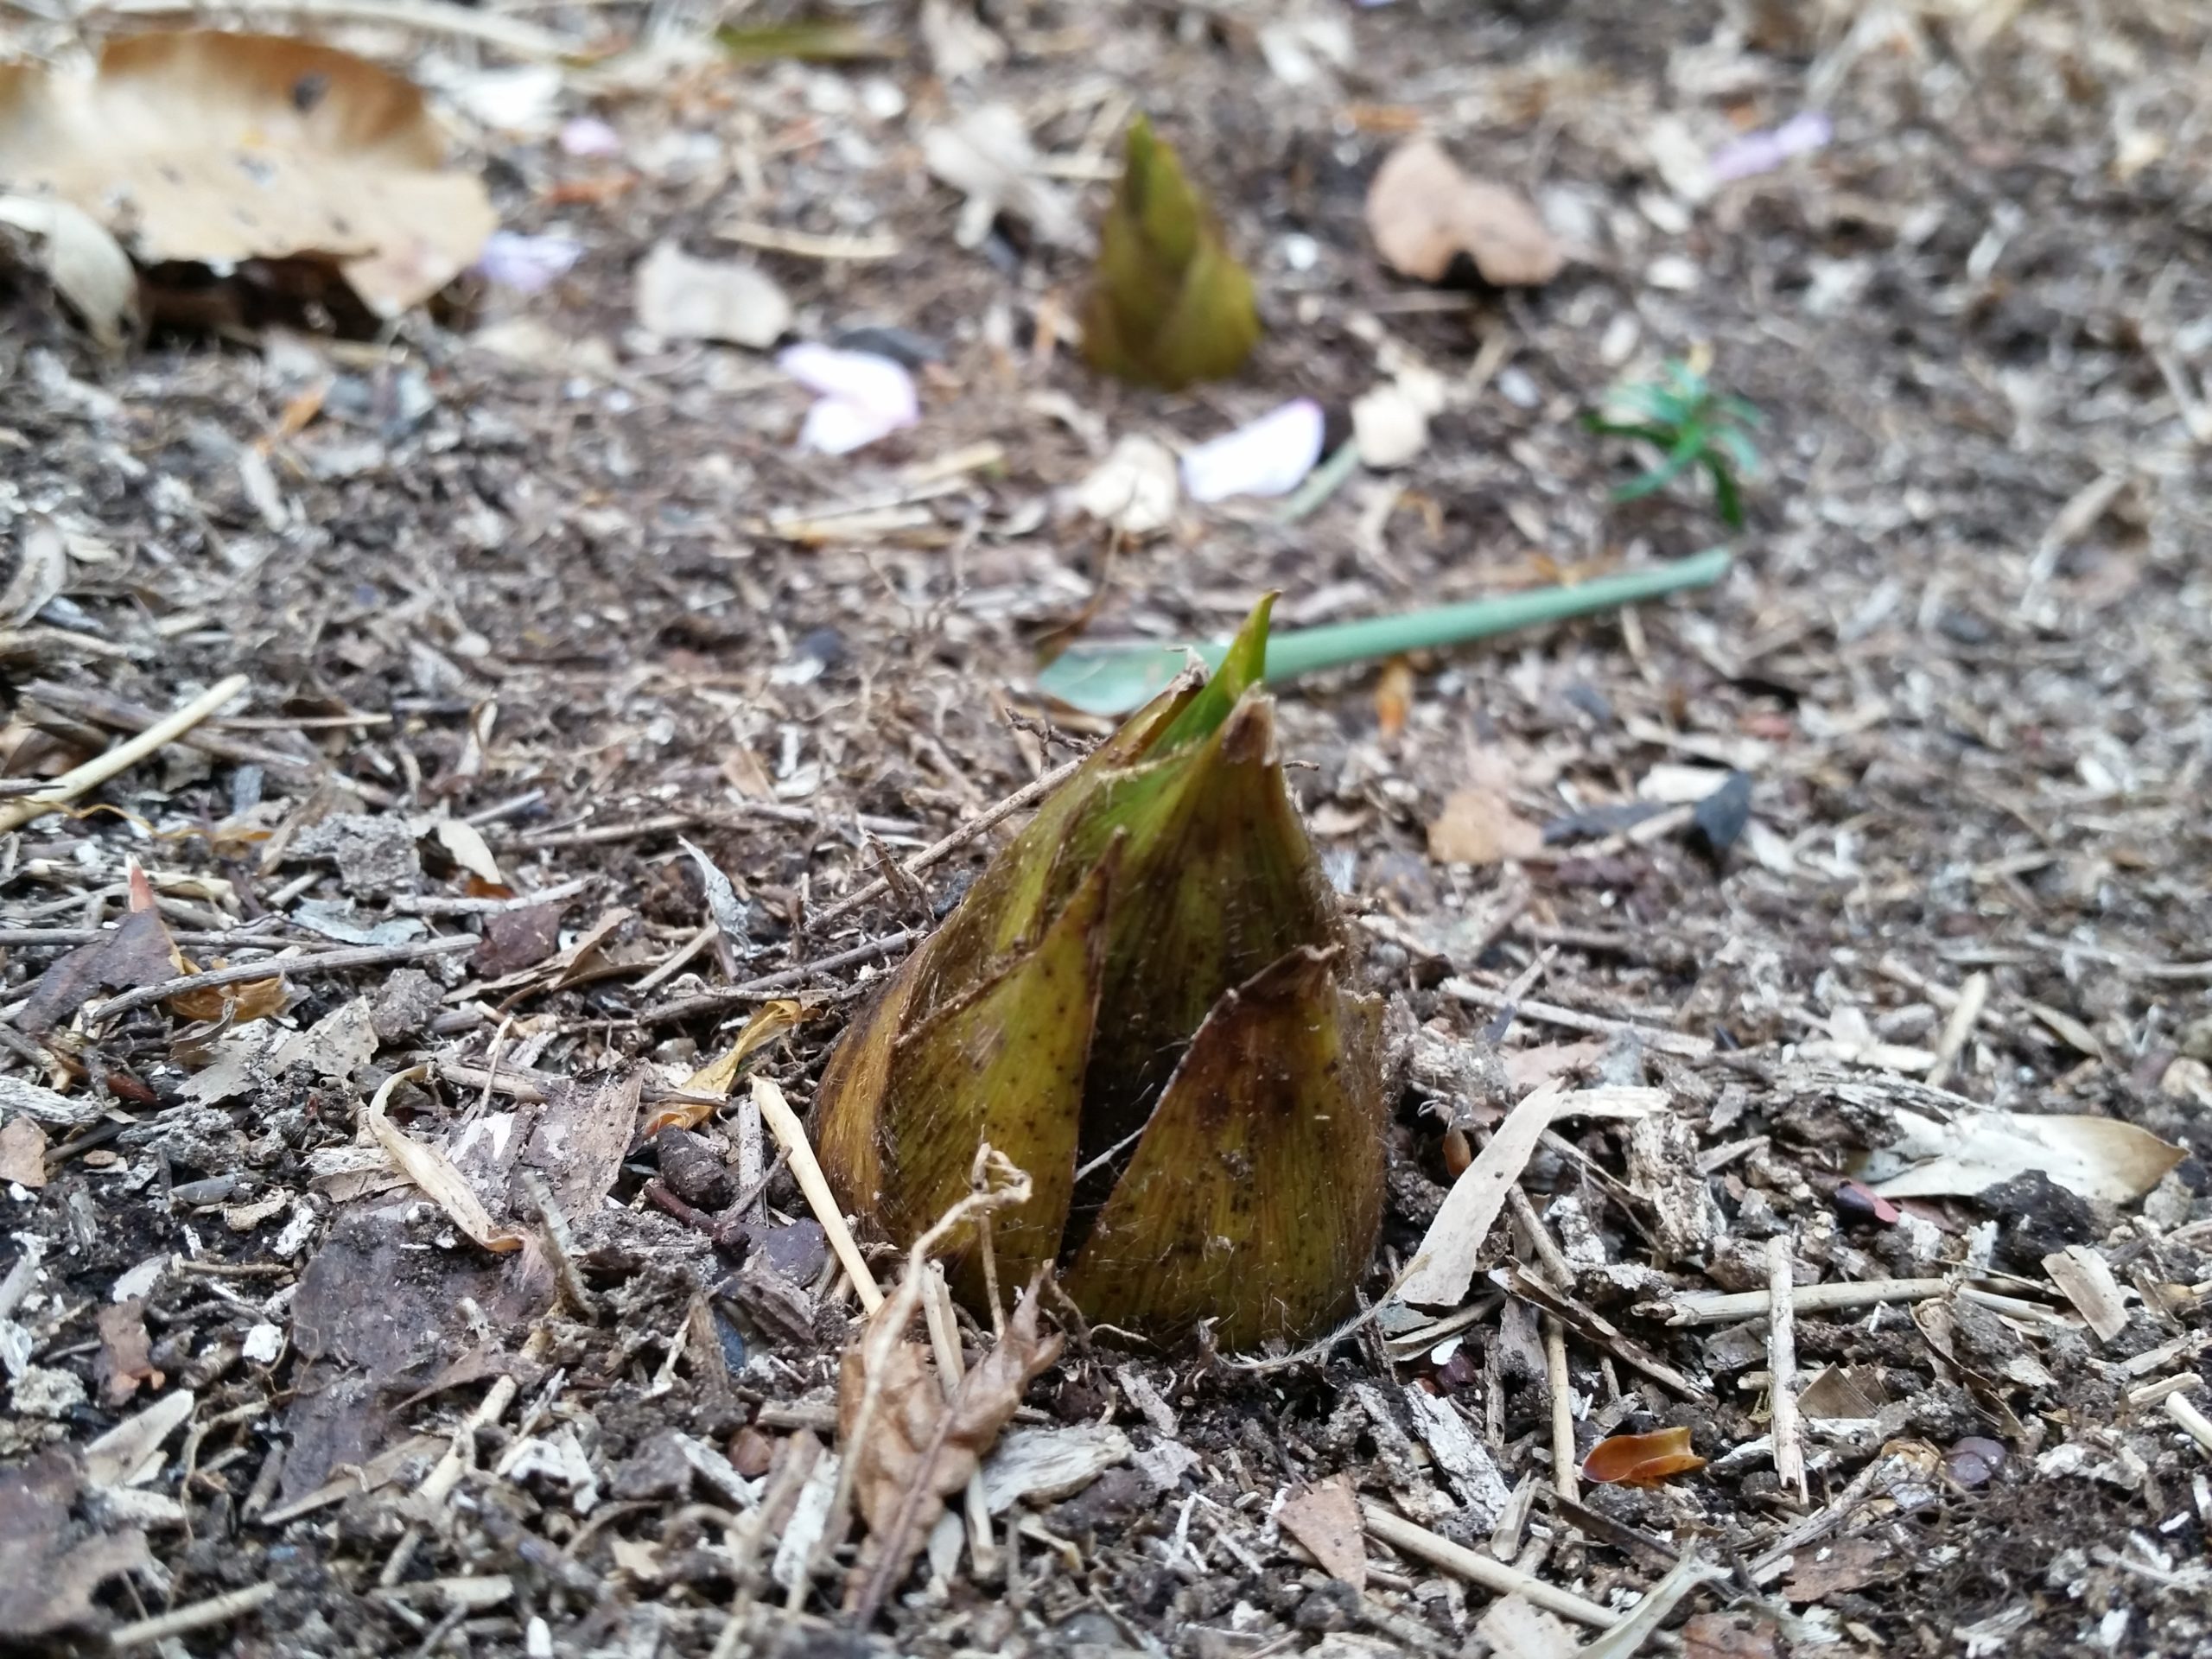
(241, 1005)
(920, 1446)
(1424, 214)
(216, 148)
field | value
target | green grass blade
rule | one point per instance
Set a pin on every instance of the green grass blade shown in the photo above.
(1109, 679)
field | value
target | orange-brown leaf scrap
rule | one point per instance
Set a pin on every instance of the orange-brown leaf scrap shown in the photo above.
(919, 1446)
(1641, 1459)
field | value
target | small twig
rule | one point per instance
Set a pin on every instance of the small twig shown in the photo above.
(598, 835)
(198, 1616)
(232, 938)
(1823, 1520)
(1029, 792)
(1644, 1620)
(1782, 1367)
(442, 905)
(124, 756)
(768, 985)
(562, 1245)
(1652, 1036)
(790, 1134)
(1495, 1577)
(1557, 1268)
(1564, 1462)
(1523, 982)
(978, 1185)
(1727, 1307)
(321, 962)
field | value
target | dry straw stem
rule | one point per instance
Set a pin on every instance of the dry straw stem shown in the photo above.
(1782, 1367)
(1562, 1393)
(1652, 1036)
(2192, 1420)
(216, 1610)
(790, 1136)
(944, 1345)
(1495, 1577)
(510, 35)
(106, 764)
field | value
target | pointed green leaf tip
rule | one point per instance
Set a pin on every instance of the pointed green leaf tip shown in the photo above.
(1169, 304)
(1243, 667)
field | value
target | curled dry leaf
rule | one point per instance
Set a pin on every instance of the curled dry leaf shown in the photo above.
(921, 1446)
(1425, 213)
(1641, 1459)
(987, 156)
(214, 148)
(87, 266)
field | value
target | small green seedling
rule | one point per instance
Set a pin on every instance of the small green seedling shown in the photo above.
(1691, 425)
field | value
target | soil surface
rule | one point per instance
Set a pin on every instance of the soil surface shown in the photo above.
(512, 579)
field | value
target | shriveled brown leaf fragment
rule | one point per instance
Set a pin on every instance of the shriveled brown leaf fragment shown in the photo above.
(125, 1361)
(1480, 826)
(23, 1152)
(920, 1446)
(515, 939)
(52, 1567)
(1424, 212)
(136, 951)
(1326, 1519)
(1727, 1636)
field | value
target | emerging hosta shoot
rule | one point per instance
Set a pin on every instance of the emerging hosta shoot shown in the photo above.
(1142, 1002)
(1170, 304)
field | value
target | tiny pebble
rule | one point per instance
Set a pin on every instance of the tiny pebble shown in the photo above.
(1517, 388)
(1972, 1460)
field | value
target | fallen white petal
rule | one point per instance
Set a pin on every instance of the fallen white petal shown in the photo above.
(1270, 457)
(863, 396)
